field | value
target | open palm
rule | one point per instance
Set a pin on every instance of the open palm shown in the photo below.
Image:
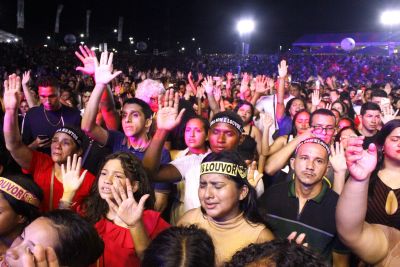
(361, 163)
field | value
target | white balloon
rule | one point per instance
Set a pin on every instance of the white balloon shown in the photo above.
(348, 44)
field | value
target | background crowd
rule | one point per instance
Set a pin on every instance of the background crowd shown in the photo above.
(212, 160)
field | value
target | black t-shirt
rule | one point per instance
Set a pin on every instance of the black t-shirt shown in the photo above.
(39, 121)
(369, 140)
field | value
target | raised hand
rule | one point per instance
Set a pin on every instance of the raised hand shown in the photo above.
(361, 163)
(12, 92)
(337, 158)
(208, 84)
(251, 177)
(282, 69)
(266, 119)
(200, 76)
(217, 93)
(26, 76)
(315, 98)
(126, 208)
(87, 57)
(200, 92)
(388, 114)
(40, 257)
(190, 76)
(104, 70)
(70, 177)
(167, 116)
(261, 84)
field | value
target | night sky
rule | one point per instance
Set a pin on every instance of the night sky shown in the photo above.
(212, 23)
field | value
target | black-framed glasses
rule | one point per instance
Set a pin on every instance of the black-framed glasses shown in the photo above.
(320, 129)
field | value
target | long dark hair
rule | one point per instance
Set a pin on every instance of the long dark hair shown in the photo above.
(386, 130)
(79, 243)
(94, 207)
(290, 103)
(249, 204)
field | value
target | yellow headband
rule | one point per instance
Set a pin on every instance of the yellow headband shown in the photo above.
(223, 168)
(18, 192)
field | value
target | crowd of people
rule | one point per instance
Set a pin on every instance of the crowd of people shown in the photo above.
(107, 162)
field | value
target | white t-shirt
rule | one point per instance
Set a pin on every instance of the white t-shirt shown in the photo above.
(265, 104)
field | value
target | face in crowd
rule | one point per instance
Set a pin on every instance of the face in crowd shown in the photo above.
(40, 231)
(195, 134)
(310, 164)
(134, 122)
(62, 146)
(302, 122)
(111, 173)
(245, 113)
(49, 97)
(371, 120)
(323, 127)
(220, 196)
(223, 137)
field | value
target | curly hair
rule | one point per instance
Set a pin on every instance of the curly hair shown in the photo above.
(94, 207)
(282, 253)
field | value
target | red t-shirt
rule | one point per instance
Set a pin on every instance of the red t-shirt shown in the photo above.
(119, 249)
(41, 169)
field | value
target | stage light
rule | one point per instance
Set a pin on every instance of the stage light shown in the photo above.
(48, 37)
(16, 39)
(193, 39)
(183, 49)
(245, 26)
(115, 30)
(82, 35)
(390, 17)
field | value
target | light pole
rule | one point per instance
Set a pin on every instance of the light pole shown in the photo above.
(390, 18)
(245, 27)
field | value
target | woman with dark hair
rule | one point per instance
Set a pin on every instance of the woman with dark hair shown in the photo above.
(196, 130)
(125, 225)
(285, 122)
(75, 242)
(228, 209)
(340, 106)
(180, 246)
(20, 198)
(344, 134)
(250, 142)
(384, 190)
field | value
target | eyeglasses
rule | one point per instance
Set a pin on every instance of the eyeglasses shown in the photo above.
(320, 129)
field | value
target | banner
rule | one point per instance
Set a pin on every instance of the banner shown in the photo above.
(88, 12)
(120, 26)
(57, 24)
(20, 14)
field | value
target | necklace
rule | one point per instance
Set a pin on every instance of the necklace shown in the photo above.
(61, 119)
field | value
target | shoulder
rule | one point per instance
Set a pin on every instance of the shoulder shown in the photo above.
(190, 217)
(265, 236)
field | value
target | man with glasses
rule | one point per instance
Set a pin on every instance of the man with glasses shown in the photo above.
(322, 126)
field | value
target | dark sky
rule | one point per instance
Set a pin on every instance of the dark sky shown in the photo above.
(211, 22)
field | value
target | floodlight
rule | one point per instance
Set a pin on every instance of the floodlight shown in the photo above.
(390, 17)
(245, 26)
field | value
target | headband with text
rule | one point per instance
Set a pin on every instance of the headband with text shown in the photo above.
(223, 168)
(18, 192)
